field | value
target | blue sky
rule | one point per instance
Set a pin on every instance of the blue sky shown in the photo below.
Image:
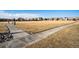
(38, 13)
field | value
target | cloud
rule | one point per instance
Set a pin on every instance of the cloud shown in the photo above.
(28, 15)
(4, 14)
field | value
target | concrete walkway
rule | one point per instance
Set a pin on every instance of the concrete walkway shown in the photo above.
(23, 39)
(20, 38)
(17, 33)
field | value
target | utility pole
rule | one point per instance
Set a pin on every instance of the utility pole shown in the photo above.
(14, 21)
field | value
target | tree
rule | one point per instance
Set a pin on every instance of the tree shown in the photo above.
(20, 19)
(40, 18)
(52, 18)
(57, 19)
(74, 19)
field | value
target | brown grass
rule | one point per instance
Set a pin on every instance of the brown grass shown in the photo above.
(38, 26)
(2, 26)
(65, 38)
(35, 26)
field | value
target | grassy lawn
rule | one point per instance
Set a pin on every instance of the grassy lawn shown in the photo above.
(68, 37)
(38, 26)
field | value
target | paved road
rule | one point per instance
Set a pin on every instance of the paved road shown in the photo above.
(24, 39)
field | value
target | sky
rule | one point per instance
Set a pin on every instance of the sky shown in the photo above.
(38, 13)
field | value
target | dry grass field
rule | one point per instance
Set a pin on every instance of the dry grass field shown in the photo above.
(35, 26)
(67, 38)
(2, 26)
(38, 26)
